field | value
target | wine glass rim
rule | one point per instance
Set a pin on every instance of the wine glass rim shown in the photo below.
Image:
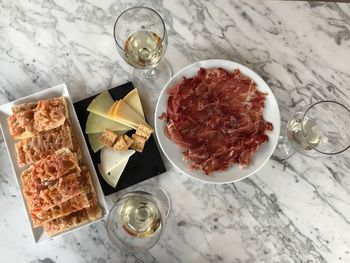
(139, 7)
(302, 125)
(115, 239)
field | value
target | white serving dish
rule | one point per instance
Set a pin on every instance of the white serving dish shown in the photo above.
(5, 110)
(173, 151)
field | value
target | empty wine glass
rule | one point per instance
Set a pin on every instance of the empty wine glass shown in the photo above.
(141, 39)
(322, 129)
(136, 221)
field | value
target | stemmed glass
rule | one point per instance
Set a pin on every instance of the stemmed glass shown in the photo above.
(141, 39)
(136, 221)
(322, 129)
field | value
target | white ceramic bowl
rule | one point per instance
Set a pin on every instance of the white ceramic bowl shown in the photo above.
(173, 151)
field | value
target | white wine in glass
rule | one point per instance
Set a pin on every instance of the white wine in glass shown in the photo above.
(140, 216)
(143, 49)
(141, 39)
(322, 129)
(136, 220)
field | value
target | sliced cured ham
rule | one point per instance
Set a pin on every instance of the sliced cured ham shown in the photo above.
(217, 119)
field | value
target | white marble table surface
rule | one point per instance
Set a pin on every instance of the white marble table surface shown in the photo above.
(297, 211)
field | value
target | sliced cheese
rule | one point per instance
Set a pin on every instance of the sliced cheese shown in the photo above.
(133, 100)
(94, 141)
(113, 176)
(111, 110)
(101, 104)
(96, 124)
(111, 158)
(125, 114)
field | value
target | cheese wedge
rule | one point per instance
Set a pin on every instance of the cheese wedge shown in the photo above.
(96, 124)
(113, 176)
(126, 115)
(101, 104)
(133, 100)
(94, 141)
(111, 110)
(111, 158)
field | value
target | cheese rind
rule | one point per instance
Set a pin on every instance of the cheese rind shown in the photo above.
(112, 109)
(126, 115)
(133, 100)
(96, 124)
(111, 158)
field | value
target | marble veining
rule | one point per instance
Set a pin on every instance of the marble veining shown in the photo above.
(295, 211)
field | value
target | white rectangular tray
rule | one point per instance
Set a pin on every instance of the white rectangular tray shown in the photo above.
(5, 111)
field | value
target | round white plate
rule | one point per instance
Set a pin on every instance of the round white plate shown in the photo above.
(173, 151)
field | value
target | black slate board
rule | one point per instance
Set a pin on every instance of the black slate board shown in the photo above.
(141, 166)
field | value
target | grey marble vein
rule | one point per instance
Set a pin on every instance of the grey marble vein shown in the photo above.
(294, 211)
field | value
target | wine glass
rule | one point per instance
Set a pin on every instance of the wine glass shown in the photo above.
(136, 221)
(141, 39)
(322, 129)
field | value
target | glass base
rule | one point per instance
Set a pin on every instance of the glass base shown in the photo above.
(160, 194)
(284, 149)
(154, 78)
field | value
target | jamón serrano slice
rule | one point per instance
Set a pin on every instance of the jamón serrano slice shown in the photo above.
(216, 118)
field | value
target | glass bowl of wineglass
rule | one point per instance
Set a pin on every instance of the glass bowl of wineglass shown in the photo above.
(322, 129)
(141, 39)
(136, 221)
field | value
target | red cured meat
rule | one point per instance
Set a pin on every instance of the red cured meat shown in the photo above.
(217, 119)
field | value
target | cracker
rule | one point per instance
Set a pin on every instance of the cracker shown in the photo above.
(123, 143)
(138, 142)
(144, 130)
(108, 138)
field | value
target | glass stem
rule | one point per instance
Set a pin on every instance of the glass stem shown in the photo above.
(150, 73)
(284, 149)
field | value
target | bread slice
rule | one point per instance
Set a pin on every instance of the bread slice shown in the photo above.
(73, 204)
(51, 193)
(21, 124)
(29, 119)
(57, 165)
(91, 213)
(24, 107)
(65, 223)
(38, 147)
(50, 114)
(94, 210)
